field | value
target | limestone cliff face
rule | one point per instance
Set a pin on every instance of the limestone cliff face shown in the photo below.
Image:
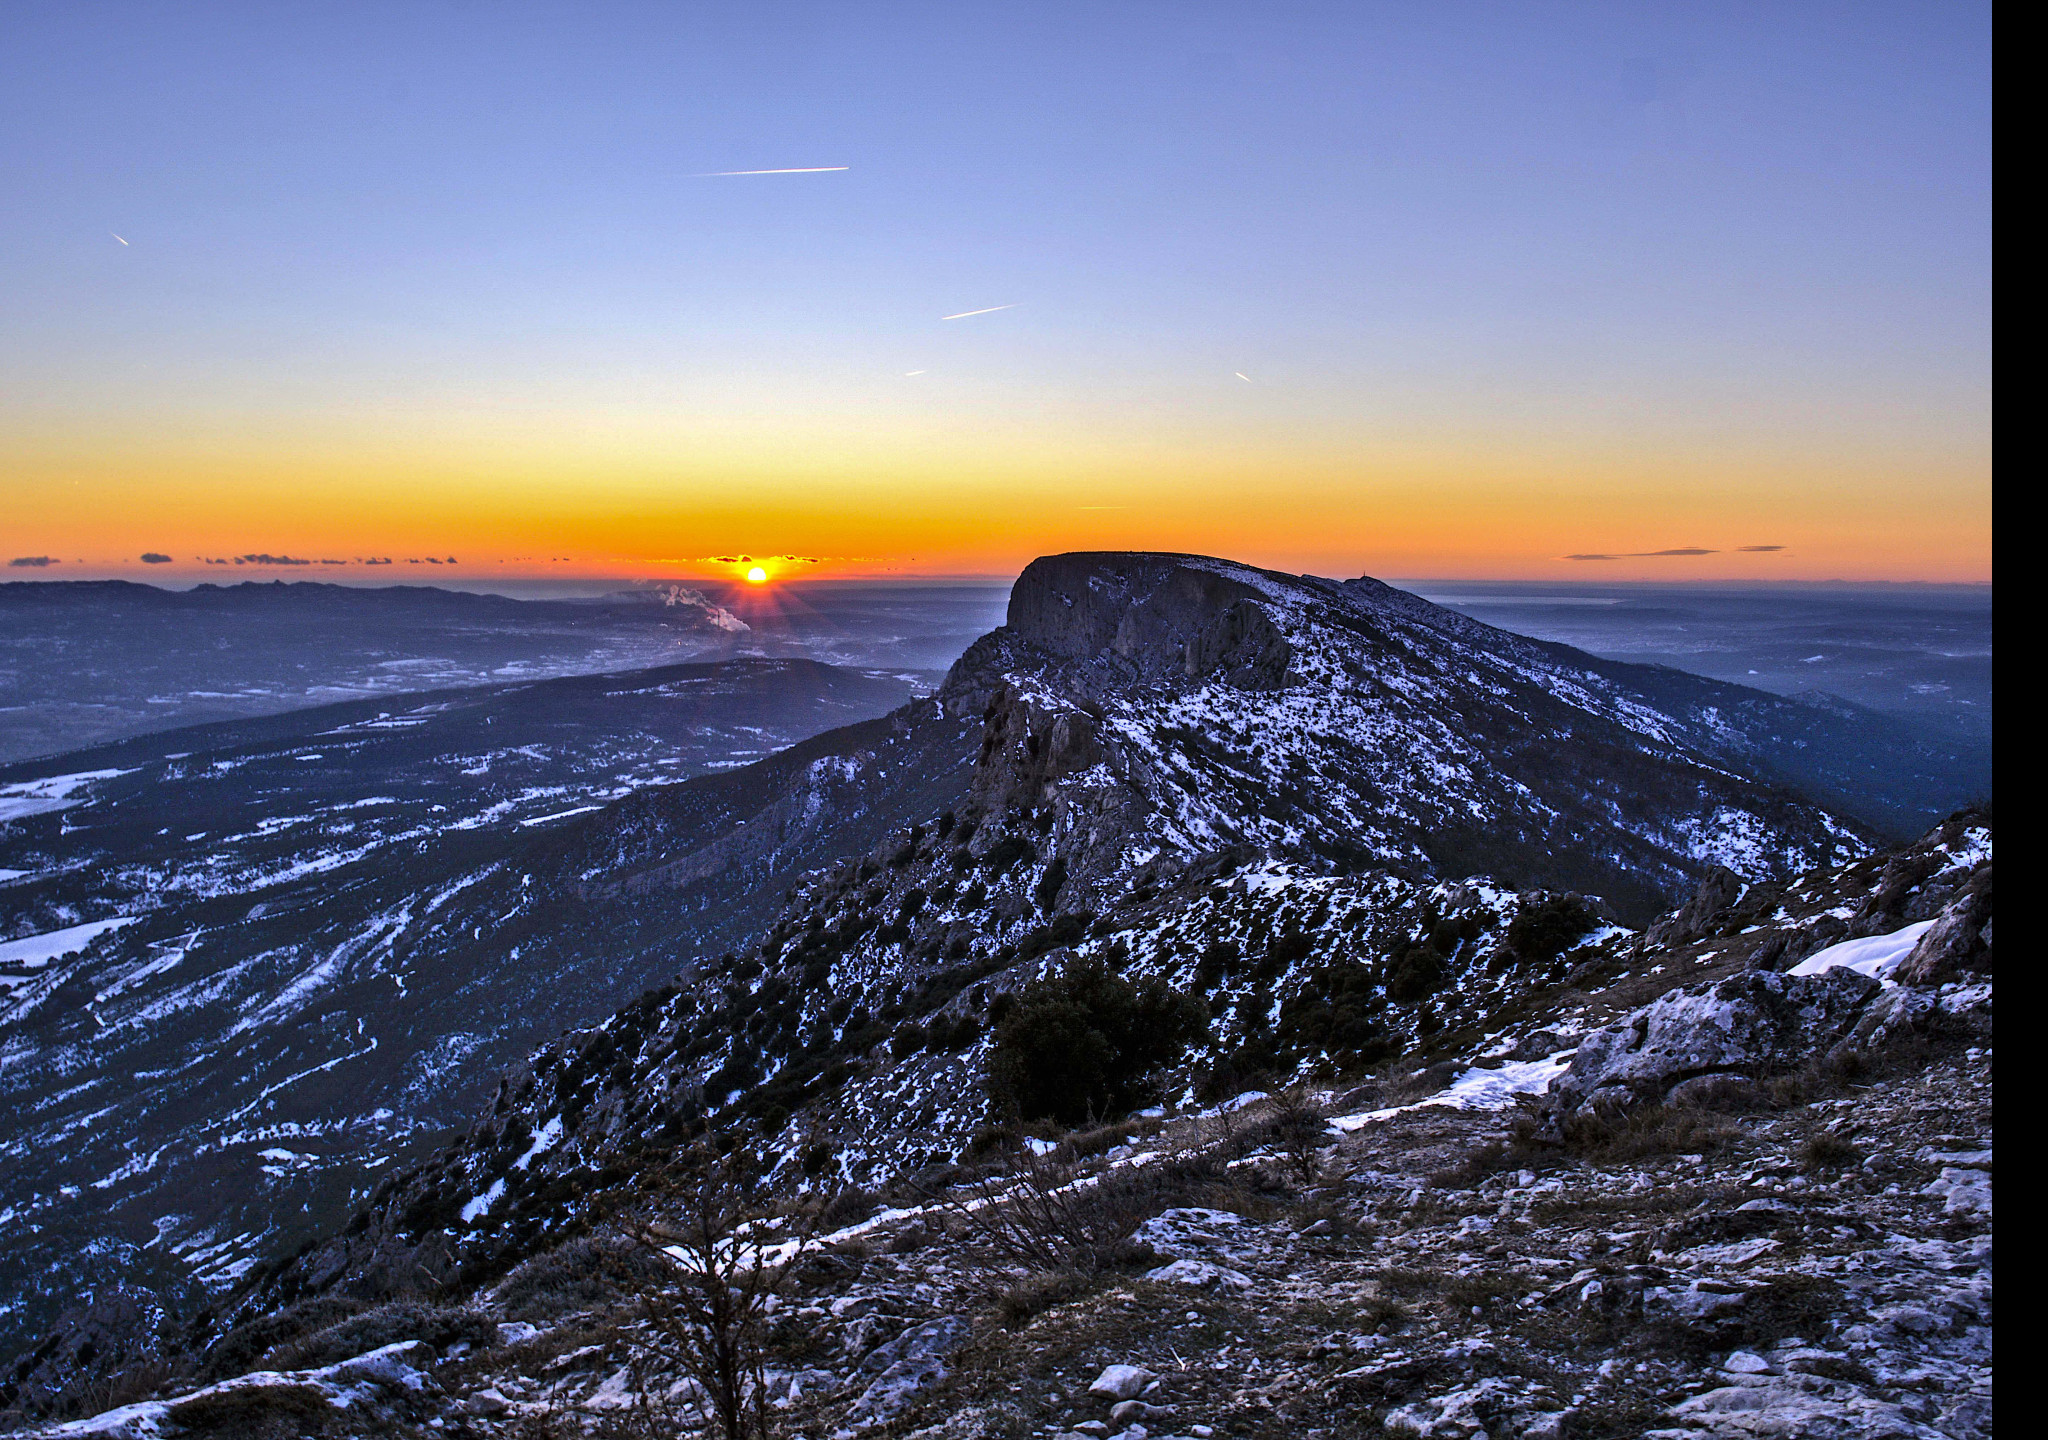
(1160, 616)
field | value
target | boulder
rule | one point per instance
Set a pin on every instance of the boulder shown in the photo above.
(387, 1366)
(1959, 941)
(1701, 915)
(1199, 1273)
(1195, 1233)
(913, 1360)
(1121, 1382)
(1744, 1026)
(1792, 1405)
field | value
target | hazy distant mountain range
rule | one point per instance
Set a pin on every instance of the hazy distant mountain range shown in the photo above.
(83, 662)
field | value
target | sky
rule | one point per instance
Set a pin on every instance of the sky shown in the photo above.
(1407, 289)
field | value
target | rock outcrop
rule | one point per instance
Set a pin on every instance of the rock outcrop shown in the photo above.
(1713, 1037)
(1151, 617)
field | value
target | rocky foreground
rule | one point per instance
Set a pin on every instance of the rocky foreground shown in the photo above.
(1758, 1204)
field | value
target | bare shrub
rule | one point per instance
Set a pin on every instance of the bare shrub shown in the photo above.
(126, 1386)
(571, 1277)
(1489, 1157)
(1040, 1215)
(1423, 1083)
(705, 1220)
(1040, 1292)
(1300, 1125)
(257, 1412)
(386, 1325)
(243, 1348)
(847, 1207)
(1043, 1214)
(1485, 1293)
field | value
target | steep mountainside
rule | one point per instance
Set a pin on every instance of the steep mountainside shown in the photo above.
(1345, 818)
(1197, 773)
(1727, 1178)
(242, 966)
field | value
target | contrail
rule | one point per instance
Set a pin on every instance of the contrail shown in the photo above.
(117, 237)
(990, 311)
(908, 373)
(796, 170)
(1242, 376)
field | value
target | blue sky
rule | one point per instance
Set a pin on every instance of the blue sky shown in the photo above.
(1644, 239)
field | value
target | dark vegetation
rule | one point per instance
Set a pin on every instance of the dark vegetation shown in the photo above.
(1086, 1043)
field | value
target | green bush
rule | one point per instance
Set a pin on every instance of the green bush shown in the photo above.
(1219, 958)
(956, 1033)
(1337, 1014)
(1416, 973)
(1008, 852)
(1541, 932)
(1086, 1042)
(1062, 930)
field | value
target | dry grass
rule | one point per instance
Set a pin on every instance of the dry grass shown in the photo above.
(258, 1412)
(1042, 1291)
(387, 1324)
(1652, 1130)
(1825, 1150)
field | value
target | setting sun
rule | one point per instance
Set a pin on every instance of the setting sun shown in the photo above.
(757, 576)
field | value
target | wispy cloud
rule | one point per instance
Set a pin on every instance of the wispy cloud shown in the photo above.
(751, 559)
(788, 170)
(33, 562)
(1679, 552)
(153, 557)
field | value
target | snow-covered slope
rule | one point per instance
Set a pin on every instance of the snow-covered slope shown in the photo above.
(1242, 784)
(1324, 806)
(1205, 704)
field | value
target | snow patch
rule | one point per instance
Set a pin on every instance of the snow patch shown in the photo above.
(1875, 955)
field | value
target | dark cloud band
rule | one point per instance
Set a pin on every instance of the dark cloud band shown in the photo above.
(1681, 551)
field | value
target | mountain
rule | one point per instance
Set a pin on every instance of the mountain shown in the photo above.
(237, 974)
(1240, 778)
(1729, 1176)
(1142, 738)
(84, 662)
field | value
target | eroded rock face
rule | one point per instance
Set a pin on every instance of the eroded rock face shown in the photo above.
(1742, 1027)
(1958, 942)
(1158, 616)
(913, 1360)
(1699, 915)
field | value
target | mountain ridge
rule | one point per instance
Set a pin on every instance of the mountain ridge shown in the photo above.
(1242, 758)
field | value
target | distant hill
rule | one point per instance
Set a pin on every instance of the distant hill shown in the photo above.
(88, 661)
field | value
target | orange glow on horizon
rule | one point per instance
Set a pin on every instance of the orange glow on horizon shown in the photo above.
(836, 504)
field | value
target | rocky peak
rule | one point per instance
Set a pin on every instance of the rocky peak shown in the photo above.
(1158, 617)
